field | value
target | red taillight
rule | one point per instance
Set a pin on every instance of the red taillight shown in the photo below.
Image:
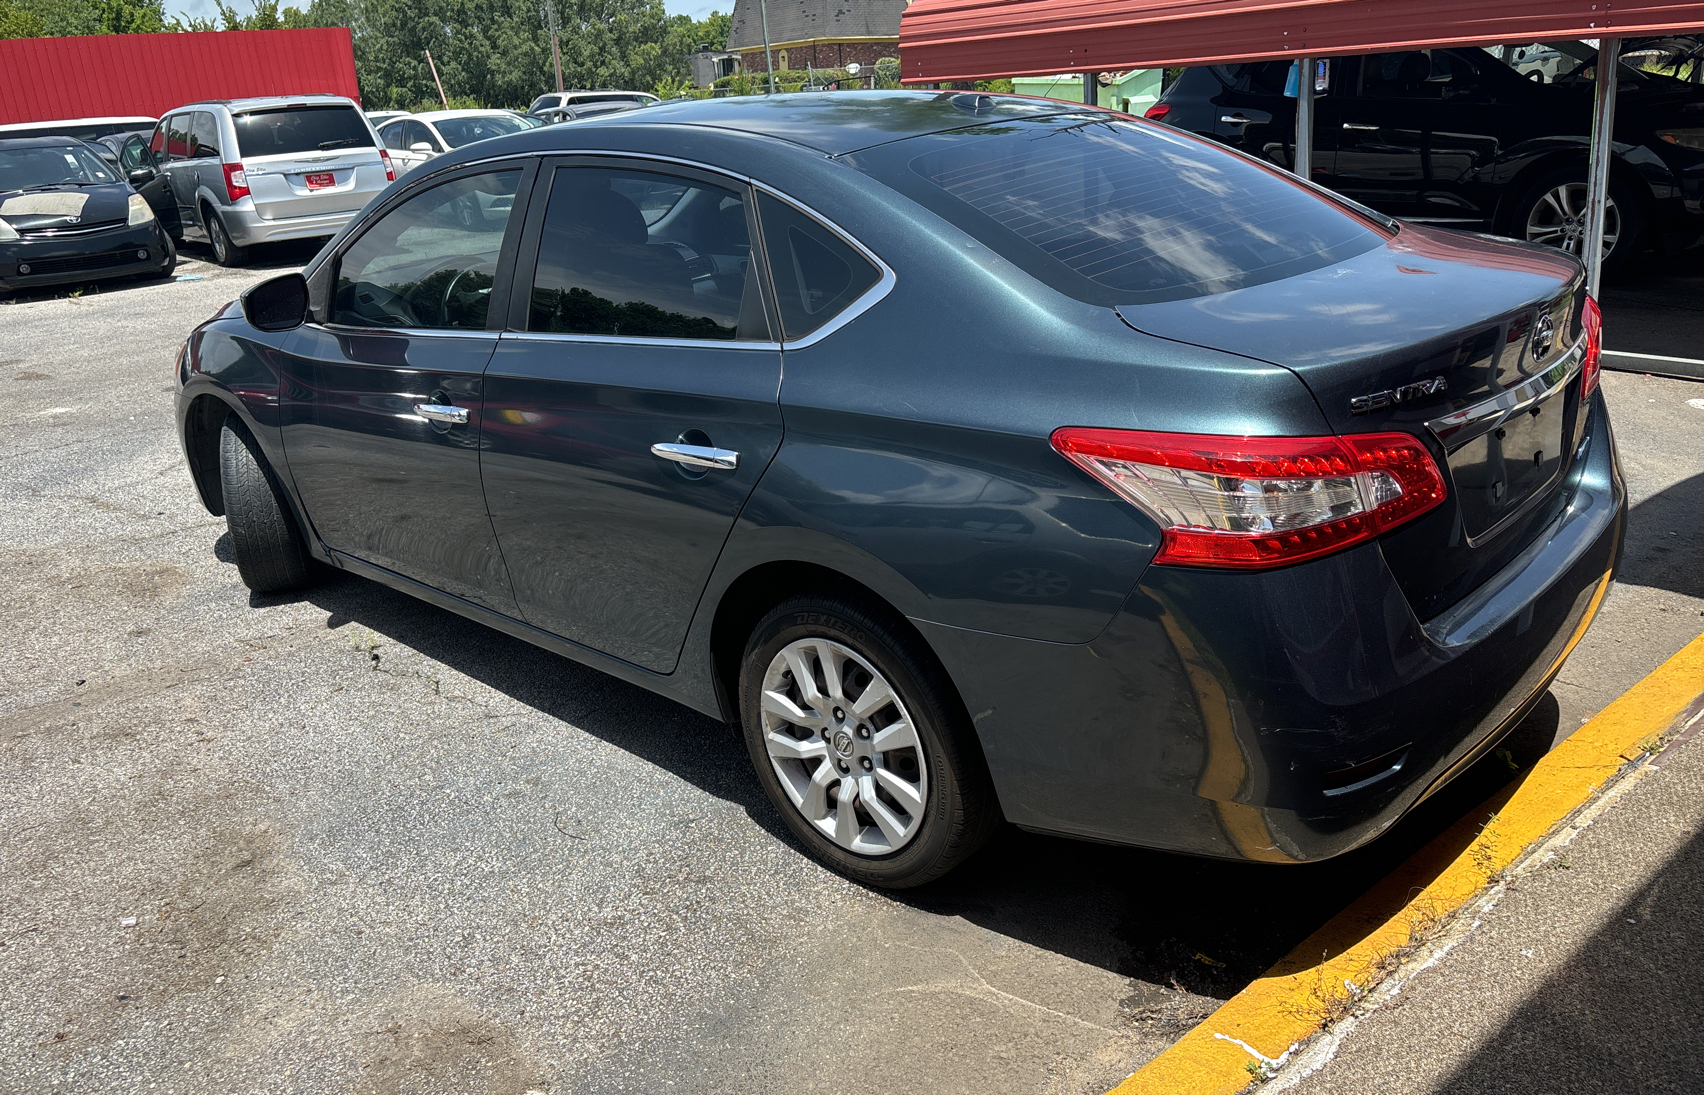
(1260, 501)
(236, 181)
(1592, 320)
(1157, 112)
(390, 172)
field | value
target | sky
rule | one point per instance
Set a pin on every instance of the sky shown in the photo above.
(204, 9)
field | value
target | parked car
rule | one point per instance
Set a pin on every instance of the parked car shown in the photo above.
(566, 106)
(66, 216)
(1115, 485)
(84, 129)
(239, 172)
(1492, 138)
(126, 151)
(380, 117)
(418, 137)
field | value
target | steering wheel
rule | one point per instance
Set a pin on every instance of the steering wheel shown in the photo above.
(701, 267)
(468, 264)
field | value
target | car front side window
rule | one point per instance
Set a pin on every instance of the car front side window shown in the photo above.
(394, 136)
(431, 261)
(644, 255)
(177, 137)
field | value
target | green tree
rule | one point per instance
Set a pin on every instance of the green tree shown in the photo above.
(19, 22)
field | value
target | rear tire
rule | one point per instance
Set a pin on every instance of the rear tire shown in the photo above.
(905, 759)
(225, 253)
(1553, 211)
(271, 555)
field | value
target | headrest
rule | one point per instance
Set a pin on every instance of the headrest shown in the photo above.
(600, 212)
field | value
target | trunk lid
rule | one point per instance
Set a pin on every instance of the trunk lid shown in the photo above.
(1464, 341)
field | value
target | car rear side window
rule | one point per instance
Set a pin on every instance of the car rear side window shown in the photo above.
(287, 131)
(816, 273)
(432, 260)
(1116, 212)
(204, 137)
(637, 254)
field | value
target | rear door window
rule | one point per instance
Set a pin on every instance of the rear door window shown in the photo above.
(817, 274)
(638, 254)
(204, 137)
(177, 137)
(1116, 212)
(289, 131)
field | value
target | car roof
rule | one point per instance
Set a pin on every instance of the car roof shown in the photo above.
(255, 102)
(39, 142)
(443, 115)
(138, 120)
(835, 122)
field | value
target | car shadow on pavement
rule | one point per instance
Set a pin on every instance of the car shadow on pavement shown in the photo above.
(1665, 540)
(1174, 922)
(1621, 1013)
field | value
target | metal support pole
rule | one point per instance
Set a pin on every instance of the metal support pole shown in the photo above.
(442, 98)
(1597, 173)
(1090, 84)
(768, 61)
(1303, 164)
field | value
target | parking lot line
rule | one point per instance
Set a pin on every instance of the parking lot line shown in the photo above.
(1262, 1023)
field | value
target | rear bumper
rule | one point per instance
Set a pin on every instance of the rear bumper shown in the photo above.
(1288, 715)
(113, 254)
(248, 227)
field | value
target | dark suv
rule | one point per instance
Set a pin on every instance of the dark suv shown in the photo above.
(1492, 138)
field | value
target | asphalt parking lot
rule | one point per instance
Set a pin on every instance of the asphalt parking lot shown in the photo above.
(346, 841)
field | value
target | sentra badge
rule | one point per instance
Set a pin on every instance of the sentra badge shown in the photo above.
(1408, 393)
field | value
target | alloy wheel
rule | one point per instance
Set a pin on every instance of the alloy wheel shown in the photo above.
(1559, 219)
(844, 747)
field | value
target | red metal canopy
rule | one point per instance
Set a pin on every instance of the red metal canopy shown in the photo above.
(944, 40)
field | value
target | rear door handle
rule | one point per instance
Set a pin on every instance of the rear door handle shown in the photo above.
(1234, 119)
(697, 456)
(1361, 126)
(440, 412)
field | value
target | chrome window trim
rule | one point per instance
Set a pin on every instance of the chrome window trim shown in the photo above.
(871, 297)
(1457, 428)
(637, 340)
(411, 332)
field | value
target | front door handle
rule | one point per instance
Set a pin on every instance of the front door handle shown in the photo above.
(440, 412)
(697, 456)
(1361, 126)
(1234, 119)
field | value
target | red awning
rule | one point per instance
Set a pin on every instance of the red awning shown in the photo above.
(943, 40)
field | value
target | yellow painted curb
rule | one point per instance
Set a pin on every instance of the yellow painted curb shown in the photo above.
(1289, 1003)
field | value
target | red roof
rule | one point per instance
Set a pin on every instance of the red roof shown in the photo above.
(113, 75)
(941, 40)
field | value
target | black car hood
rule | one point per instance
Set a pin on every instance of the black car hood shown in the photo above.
(1429, 303)
(65, 206)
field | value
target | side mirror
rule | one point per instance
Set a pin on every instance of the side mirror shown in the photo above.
(280, 304)
(142, 176)
(421, 147)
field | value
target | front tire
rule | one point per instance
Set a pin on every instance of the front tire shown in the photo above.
(225, 253)
(861, 743)
(271, 555)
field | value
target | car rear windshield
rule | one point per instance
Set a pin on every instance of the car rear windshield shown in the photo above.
(285, 131)
(1120, 212)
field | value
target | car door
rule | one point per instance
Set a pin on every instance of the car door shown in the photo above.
(383, 432)
(157, 191)
(180, 171)
(419, 143)
(632, 405)
(1389, 110)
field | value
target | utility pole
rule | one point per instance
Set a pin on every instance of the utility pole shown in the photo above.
(549, 13)
(442, 98)
(768, 61)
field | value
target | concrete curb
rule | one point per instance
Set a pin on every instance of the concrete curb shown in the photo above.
(1256, 1031)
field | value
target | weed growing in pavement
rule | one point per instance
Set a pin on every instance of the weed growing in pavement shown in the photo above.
(367, 643)
(1483, 854)
(1330, 1004)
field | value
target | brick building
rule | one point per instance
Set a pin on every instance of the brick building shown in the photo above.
(816, 33)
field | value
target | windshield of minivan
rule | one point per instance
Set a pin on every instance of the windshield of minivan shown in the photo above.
(64, 165)
(1116, 212)
(285, 131)
(459, 131)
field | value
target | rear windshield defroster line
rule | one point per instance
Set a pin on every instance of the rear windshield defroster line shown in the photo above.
(287, 131)
(1114, 212)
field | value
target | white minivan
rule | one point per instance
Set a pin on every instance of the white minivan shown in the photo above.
(243, 171)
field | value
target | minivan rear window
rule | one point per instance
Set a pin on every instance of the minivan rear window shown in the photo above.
(284, 131)
(1116, 212)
